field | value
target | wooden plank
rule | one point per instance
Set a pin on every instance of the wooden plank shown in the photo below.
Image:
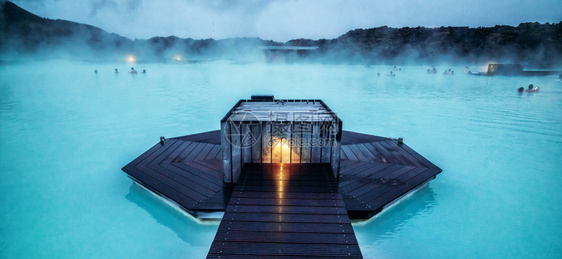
(163, 148)
(217, 202)
(143, 156)
(351, 165)
(175, 178)
(164, 189)
(357, 184)
(375, 152)
(285, 237)
(197, 149)
(254, 194)
(210, 168)
(408, 185)
(247, 183)
(204, 152)
(158, 162)
(348, 153)
(357, 152)
(227, 225)
(171, 180)
(287, 218)
(288, 189)
(393, 149)
(189, 169)
(368, 153)
(288, 202)
(192, 180)
(186, 152)
(281, 209)
(386, 154)
(395, 183)
(419, 157)
(271, 249)
(214, 152)
(363, 170)
(175, 154)
(407, 155)
(377, 182)
(277, 256)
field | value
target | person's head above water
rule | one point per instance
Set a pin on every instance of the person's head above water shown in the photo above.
(531, 86)
(520, 89)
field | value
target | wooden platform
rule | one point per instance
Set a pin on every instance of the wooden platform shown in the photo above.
(285, 210)
(374, 172)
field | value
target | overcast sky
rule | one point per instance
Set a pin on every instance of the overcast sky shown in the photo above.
(282, 20)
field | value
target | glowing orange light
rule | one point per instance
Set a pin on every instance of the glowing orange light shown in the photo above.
(282, 151)
(280, 186)
(131, 59)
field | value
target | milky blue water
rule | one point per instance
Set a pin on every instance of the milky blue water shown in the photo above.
(65, 133)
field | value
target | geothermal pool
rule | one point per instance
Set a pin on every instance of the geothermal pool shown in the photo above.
(66, 132)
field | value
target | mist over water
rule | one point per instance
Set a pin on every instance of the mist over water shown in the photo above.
(66, 132)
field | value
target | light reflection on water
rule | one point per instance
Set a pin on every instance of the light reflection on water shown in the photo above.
(66, 132)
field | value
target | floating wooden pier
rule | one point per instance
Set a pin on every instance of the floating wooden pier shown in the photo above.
(188, 171)
(281, 194)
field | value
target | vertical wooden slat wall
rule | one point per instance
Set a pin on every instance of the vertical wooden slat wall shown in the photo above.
(287, 141)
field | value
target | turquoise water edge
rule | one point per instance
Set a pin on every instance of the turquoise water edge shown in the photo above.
(65, 133)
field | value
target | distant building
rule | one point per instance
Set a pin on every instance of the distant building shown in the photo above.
(505, 69)
(513, 70)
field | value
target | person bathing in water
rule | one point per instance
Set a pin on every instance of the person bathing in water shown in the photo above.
(533, 89)
(133, 71)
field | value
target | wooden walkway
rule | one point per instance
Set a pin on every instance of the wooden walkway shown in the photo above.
(285, 210)
(374, 171)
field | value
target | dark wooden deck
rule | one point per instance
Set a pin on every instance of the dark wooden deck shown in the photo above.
(374, 172)
(285, 210)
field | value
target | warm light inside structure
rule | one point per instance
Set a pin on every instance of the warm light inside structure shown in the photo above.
(177, 58)
(282, 152)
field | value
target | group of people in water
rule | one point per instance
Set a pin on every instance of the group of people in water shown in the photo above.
(530, 89)
(132, 71)
(391, 73)
(433, 70)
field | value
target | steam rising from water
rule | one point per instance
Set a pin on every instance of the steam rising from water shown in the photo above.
(285, 20)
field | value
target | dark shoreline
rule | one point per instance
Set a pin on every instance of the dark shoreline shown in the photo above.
(26, 36)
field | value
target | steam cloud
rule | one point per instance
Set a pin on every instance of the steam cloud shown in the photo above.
(285, 20)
